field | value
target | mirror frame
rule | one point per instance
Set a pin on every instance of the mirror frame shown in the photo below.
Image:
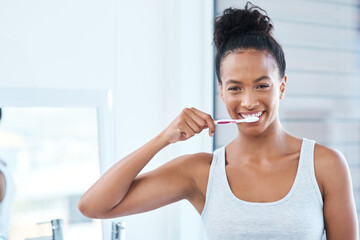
(102, 100)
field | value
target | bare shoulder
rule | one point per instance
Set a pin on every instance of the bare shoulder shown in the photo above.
(328, 156)
(200, 159)
(330, 167)
(191, 173)
(200, 171)
(193, 164)
(333, 175)
(329, 160)
(192, 167)
(196, 167)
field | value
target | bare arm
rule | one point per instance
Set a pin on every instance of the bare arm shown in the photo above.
(339, 205)
(2, 186)
(120, 191)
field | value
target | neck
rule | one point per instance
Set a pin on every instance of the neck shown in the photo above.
(271, 143)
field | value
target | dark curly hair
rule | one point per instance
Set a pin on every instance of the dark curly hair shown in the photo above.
(248, 28)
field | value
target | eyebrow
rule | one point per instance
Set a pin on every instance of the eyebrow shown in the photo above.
(255, 80)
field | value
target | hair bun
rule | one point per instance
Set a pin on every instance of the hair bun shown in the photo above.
(235, 22)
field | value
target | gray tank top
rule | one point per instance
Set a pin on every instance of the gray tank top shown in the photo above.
(299, 215)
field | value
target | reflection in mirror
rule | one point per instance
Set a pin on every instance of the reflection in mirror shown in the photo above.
(53, 156)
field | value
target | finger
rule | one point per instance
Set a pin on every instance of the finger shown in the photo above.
(201, 123)
(191, 121)
(186, 131)
(208, 120)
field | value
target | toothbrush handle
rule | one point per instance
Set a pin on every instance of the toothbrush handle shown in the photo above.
(224, 121)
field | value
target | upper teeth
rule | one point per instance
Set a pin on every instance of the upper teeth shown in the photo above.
(251, 115)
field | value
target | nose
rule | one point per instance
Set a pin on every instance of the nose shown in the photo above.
(249, 100)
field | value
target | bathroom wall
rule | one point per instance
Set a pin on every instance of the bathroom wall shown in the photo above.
(165, 64)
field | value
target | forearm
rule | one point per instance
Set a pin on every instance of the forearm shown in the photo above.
(2, 186)
(112, 187)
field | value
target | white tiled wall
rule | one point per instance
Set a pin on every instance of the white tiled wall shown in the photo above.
(322, 102)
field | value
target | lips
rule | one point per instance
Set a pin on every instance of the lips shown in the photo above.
(251, 114)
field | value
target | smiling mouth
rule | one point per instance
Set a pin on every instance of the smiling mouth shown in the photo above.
(247, 115)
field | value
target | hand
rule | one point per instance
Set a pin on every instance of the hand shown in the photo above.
(190, 122)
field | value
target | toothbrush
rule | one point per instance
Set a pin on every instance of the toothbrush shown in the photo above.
(226, 121)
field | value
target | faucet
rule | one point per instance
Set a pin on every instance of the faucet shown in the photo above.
(118, 231)
(57, 229)
(56, 225)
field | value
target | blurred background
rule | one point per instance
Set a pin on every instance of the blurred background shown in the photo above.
(156, 57)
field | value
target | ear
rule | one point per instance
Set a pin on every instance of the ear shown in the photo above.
(282, 87)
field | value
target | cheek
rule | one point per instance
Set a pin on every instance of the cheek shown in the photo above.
(273, 99)
(273, 96)
(231, 104)
(231, 101)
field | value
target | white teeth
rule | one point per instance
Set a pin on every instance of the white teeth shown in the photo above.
(252, 115)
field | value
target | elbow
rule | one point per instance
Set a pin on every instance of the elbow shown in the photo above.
(92, 210)
(87, 210)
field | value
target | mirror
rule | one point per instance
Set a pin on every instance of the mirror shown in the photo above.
(52, 154)
(55, 146)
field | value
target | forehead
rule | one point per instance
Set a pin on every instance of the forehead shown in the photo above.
(248, 64)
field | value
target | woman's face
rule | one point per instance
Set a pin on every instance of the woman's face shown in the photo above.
(251, 87)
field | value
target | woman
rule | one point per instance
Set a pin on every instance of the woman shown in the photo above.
(265, 184)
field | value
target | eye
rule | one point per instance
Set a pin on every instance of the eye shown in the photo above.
(234, 89)
(262, 86)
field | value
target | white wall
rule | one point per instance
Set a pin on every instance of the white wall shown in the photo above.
(57, 44)
(167, 52)
(156, 57)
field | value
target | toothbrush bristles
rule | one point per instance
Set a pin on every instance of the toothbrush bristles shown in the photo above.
(251, 119)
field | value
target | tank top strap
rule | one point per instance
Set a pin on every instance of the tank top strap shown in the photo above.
(214, 174)
(307, 152)
(308, 166)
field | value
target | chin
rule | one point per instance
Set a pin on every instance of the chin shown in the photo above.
(256, 130)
